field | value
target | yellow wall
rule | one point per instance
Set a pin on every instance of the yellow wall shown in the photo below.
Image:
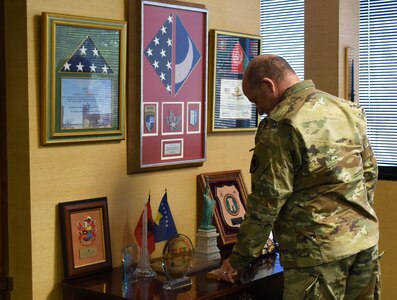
(42, 176)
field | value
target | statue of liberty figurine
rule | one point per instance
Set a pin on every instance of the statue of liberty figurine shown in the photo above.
(208, 208)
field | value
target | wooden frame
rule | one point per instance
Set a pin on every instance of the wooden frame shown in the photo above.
(85, 237)
(349, 74)
(225, 186)
(168, 107)
(230, 54)
(83, 79)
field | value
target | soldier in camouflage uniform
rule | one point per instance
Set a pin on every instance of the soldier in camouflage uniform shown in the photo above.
(313, 181)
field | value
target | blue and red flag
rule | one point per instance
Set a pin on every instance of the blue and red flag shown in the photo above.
(138, 229)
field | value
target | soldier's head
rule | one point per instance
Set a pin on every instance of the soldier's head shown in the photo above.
(266, 79)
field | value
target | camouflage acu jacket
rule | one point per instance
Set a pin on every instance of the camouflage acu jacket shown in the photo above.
(313, 177)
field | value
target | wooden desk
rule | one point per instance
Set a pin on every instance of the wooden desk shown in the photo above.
(265, 282)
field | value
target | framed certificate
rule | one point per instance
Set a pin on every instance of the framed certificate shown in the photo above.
(167, 108)
(85, 237)
(83, 82)
(230, 54)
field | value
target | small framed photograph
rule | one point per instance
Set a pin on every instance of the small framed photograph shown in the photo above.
(228, 189)
(168, 101)
(230, 54)
(85, 237)
(83, 79)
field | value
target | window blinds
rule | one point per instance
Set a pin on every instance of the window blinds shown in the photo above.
(378, 79)
(282, 31)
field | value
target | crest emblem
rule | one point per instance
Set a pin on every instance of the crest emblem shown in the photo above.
(231, 205)
(173, 121)
(232, 210)
(86, 231)
(150, 117)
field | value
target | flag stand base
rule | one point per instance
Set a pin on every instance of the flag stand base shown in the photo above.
(144, 269)
(177, 283)
(145, 272)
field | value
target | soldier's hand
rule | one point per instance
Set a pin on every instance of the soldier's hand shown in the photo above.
(226, 272)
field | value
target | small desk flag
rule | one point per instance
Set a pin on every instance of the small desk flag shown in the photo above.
(164, 226)
(138, 229)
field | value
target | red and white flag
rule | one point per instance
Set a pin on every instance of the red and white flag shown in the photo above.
(139, 232)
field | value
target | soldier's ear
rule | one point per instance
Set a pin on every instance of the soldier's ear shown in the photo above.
(269, 84)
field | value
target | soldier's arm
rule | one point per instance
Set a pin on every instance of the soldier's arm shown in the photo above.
(369, 164)
(271, 186)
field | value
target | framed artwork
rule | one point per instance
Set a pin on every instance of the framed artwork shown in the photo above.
(167, 108)
(230, 54)
(85, 237)
(228, 189)
(83, 79)
(349, 74)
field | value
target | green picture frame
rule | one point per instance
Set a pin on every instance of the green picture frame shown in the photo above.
(83, 79)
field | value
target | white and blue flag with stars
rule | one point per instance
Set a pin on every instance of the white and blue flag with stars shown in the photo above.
(87, 59)
(172, 54)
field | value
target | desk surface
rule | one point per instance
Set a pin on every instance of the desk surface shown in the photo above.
(263, 281)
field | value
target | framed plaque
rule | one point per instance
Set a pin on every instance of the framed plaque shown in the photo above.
(167, 108)
(228, 189)
(230, 54)
(83, 79)
(85, 237)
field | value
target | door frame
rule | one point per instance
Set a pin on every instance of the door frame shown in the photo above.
(5, 281)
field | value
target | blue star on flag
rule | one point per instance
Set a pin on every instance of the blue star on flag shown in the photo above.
(87, 59)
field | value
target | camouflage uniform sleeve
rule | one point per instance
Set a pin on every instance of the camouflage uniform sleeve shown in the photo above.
(369, 162)
(272, 176)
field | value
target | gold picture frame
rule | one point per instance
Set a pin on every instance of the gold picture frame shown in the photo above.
(230, 54)
(83, 79)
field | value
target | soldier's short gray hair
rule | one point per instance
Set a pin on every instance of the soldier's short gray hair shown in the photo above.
(271, 66)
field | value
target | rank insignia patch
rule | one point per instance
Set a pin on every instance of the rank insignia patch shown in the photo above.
(150, 117)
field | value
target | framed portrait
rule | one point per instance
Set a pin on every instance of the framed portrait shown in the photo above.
(228, 190)
(83, 79)
(168, 107)
(85, 237)
(230, 54)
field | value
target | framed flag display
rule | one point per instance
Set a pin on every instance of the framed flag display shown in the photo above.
(167, 109)
(230, 54)
(83, 82)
